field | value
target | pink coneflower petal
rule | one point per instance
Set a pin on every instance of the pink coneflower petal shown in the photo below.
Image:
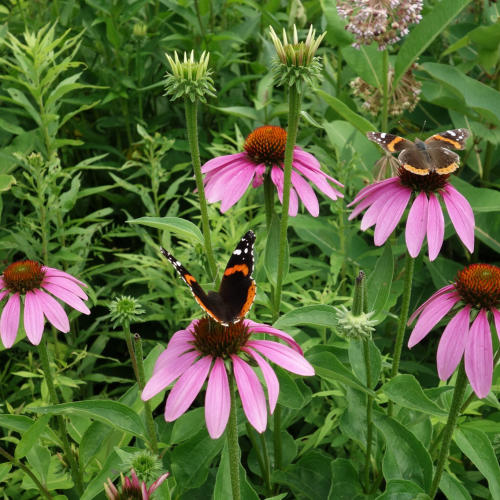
(309, 161)
(180, 343)
(237, 187)
(390, 215)
(461, 215)
(452, 344)
(496, 316)
(251, 394)
(222, 161)
(416, 225)
(68, 297)
(157, 483)
(479, 355)
(434, 296)
(51, 271)
(53, 311)
(277, 176)
(283, 356)
(187, 388)
(69, 285)
(261, 328)
(216, 188)
(376, 186)
(435, 227)
(273, 385)
(380, 198)
(306, 194)
(217, 400)
(319, 180)
(363, 204)
(431, 316)
(33, 318)
(3, 294)
(260, 170)
(9, 321)
(164, 376)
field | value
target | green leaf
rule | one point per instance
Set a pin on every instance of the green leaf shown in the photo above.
(239, 111)
(31, 436)
(6, 182)
(398, 489)
(271, 256)
(405, 390)
(21, 424)
(405, 456)
(321, 315)
(362, 124)
(480, 199)
(453, 488)
(357, 360)
(336, 34)
(424, 33)
(366, 62)
(180, 227)
(112, 413)
(474, 94)
(378, 283)
(39, 459)
(345, 481)
(477, 447)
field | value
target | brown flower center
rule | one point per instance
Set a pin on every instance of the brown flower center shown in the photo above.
(23, 276)
(479, 285)
(429, 183)
(266, 145)
(216, 340)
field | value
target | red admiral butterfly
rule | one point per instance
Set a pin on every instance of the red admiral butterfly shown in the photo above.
(421, 157)
(237, 288)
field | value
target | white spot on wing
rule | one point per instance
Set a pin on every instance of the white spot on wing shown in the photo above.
(237, 251)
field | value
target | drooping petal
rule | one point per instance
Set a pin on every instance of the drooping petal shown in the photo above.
(284, 356)
(251, 394)
(452, 344)
(390, 216)
(187, 388)
(217, 400)
(496, 316)
(262, 328)
(277, 176)
(273, 385)
(380, 198)
(236, 189)
(309, 161)
(164, 376)
(431, 316)
(461, 215)
(222, 161)
(416, 225)
(363, 204)
(441, 291)
(65, 283)
(68, 297)
(33, 318)
(2, 283)
(9, 321)
(374, 187)
(479, 355)
(52, 271)
(53, 311)
(319, 179)
(260, 170)
(435, 227)
(3, 294)
(216, 186)
(306, 194)
(180, 343)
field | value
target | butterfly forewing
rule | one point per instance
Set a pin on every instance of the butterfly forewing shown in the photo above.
(390, 142)
(450, 139)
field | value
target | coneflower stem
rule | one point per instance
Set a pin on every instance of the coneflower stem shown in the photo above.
(403, 318)
(456, 402)
(130, 347)
(369, 409)
(141, 381)
(277, 438)
(76, 473)
(268, 199)
(385, 91)
(262, 456)
(232, 444)
(191, 109)
(13, 460)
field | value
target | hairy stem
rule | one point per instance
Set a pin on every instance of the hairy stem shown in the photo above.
(232, 443)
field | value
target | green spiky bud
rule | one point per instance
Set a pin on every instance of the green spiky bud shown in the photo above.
(125, 310)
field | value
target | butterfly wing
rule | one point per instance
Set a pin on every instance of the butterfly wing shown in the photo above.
(211, 303)
(390, 142)
(450, 139)
(237, 288)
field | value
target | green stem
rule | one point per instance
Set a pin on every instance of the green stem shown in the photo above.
(130, 347)
(294, 101)
(268, 199)
(403, 318)
(262, 456)
(192, 131)
(43, 490)
(278, 449)
(458, 395)
(369, 408)
(76, 473)
(141, 381)
(385, 90)
(232, 443)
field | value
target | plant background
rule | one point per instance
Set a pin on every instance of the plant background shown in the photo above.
(84, 90)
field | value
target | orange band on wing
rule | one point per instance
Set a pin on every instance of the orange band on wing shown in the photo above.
(447, 170)
(248, 303)
(189, 279)
(455, 144)
(237, 268)
(391, 145)
(418, 171)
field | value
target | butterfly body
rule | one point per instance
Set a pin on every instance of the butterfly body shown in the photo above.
(425, 157)
(233, 300)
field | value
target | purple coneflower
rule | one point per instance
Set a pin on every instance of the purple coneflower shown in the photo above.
(26, 284)
(208, 349)
(132, 488)
(228, 177)
(476, 292)
(386, 202)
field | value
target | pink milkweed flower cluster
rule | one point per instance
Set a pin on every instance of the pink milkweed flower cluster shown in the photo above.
(475, 299)
(132, 488)
(206, 349)
(385, 203)
(30, 287)
(228, 177)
